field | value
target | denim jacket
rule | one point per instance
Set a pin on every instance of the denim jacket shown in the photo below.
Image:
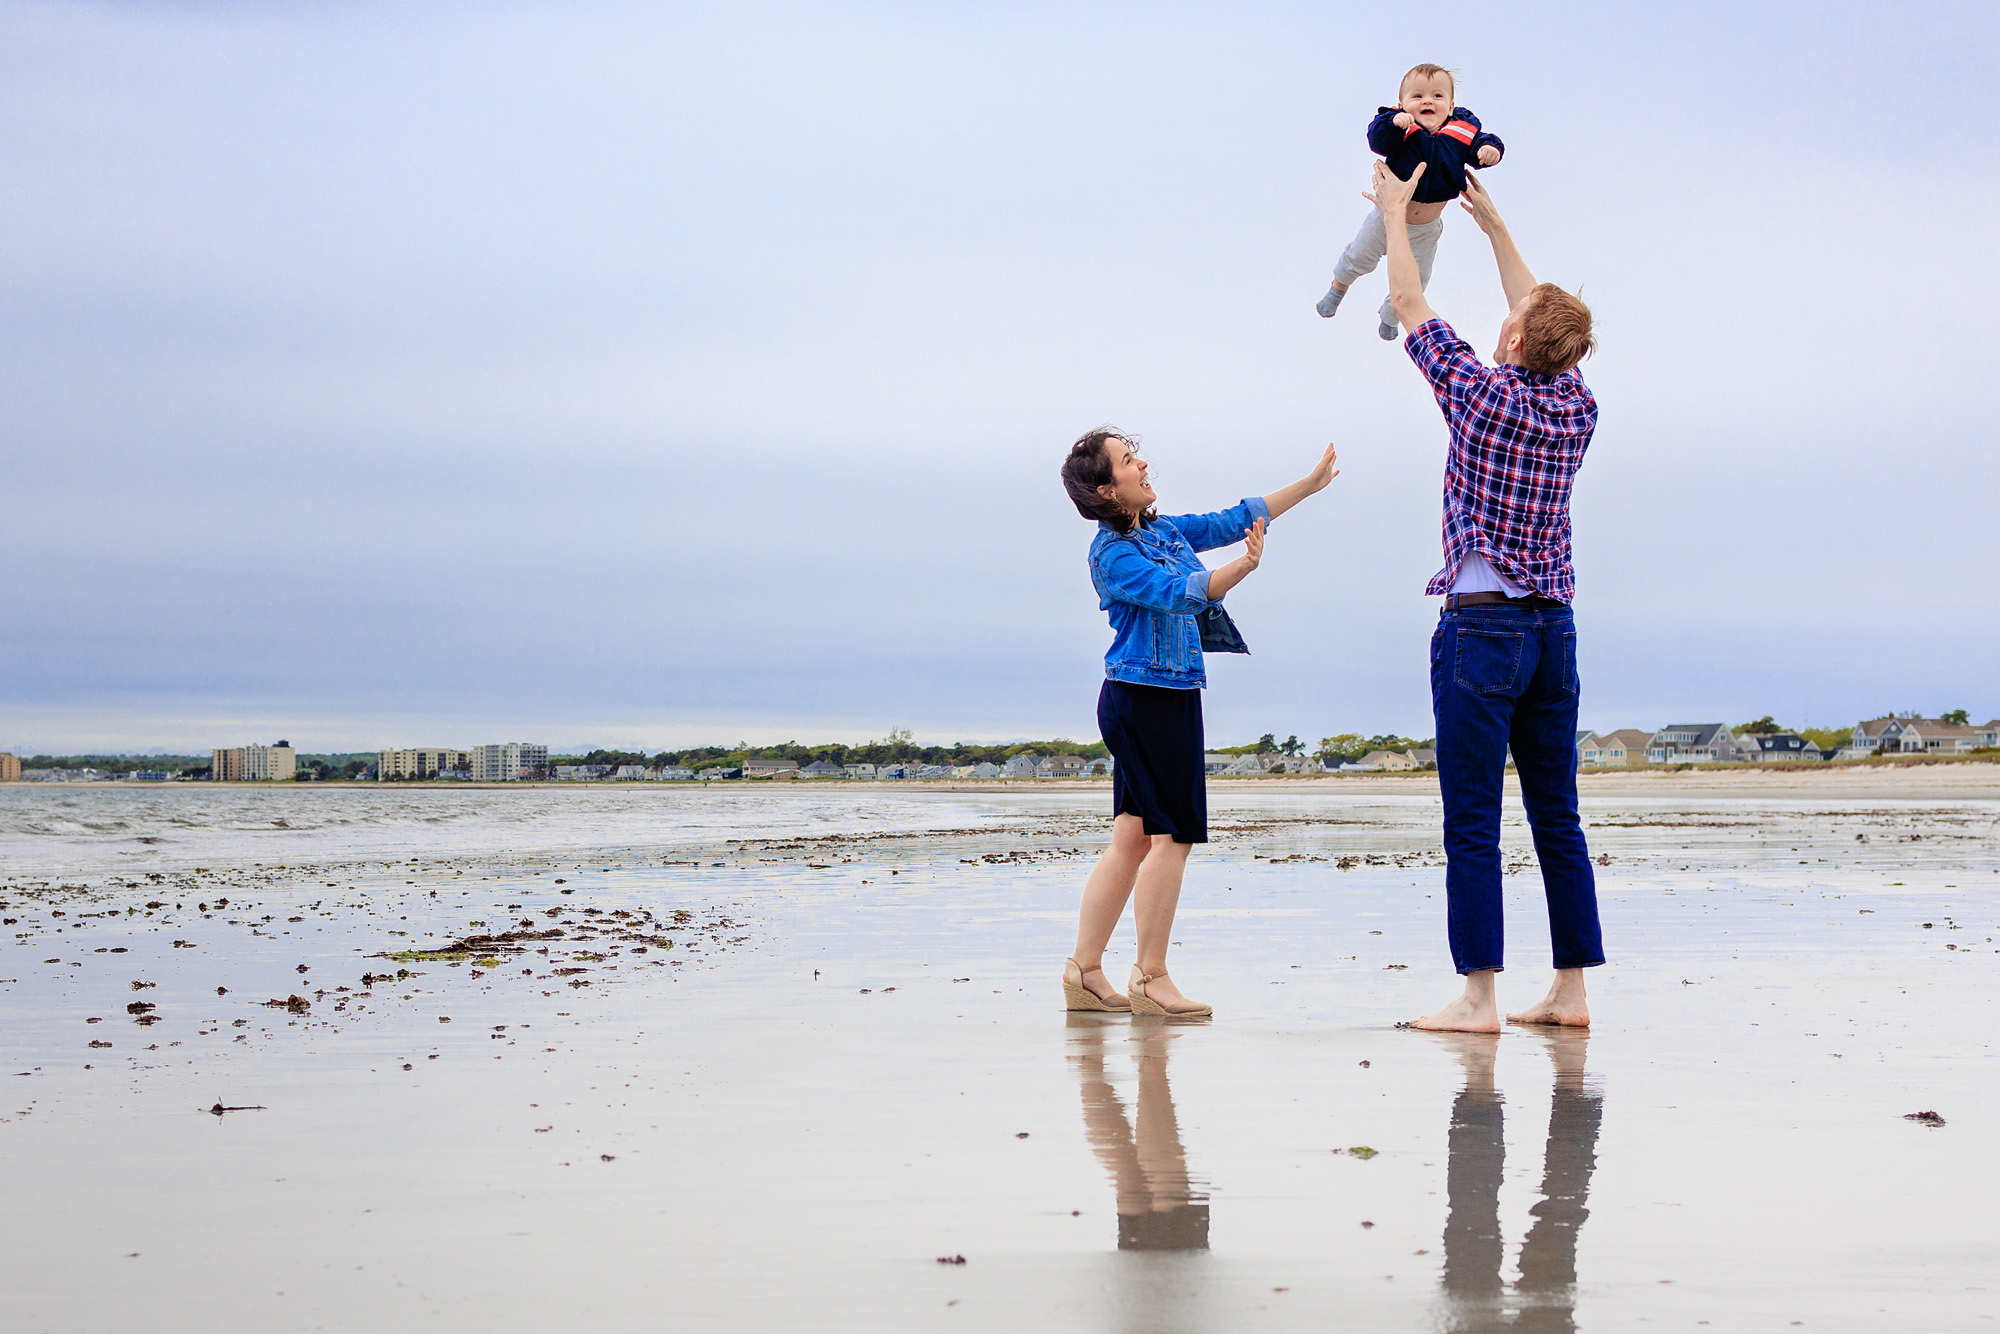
(1155, 589)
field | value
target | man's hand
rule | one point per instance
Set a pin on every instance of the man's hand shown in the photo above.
(1390, 195)
(1403, 120)
(1515, 279)
(1479, 204)
(1488, 155)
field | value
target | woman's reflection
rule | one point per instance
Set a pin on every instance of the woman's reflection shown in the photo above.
(1158, 1210)
(1543, 1299)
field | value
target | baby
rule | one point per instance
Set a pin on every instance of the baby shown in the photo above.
(1425, 127)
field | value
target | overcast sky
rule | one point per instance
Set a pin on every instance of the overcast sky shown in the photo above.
(424, 374)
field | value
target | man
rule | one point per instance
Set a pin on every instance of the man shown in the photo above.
(1503, 660)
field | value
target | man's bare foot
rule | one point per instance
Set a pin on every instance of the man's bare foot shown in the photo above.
(1475, 1011)
(1564, 1006)
(1567, 1049)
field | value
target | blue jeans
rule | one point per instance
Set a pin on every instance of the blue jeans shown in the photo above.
(1501, 676)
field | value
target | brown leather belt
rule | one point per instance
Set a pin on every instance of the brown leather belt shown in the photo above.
(1453, 601)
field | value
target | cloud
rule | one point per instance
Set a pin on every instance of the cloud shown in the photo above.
(647, 375)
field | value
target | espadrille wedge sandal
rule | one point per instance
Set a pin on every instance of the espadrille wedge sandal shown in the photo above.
(1077, 996)
(1144, 1004)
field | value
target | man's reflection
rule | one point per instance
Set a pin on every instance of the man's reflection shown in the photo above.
(1543, 1299)
(1158, 1210)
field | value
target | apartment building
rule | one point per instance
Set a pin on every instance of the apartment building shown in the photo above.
(506, 762)
(254, 764)
(422, 762)
(10, 768)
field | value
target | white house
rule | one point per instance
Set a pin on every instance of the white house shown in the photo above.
(1023, 765)
(1919, 736)
(822, 769)
(986, 769)
(860, 770)
(674, 773)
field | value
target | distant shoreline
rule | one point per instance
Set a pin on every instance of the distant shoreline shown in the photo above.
(1965, 776)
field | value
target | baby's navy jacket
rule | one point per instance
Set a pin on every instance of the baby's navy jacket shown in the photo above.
(1447, 153)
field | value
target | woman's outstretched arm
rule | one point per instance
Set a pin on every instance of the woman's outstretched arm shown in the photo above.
(1287, 496)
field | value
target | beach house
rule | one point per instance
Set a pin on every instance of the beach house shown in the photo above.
(1385, 762)
(1627, 745)
(1918, 736)
(1022, 765)
(1695, 743)
(822, 769)
(1060, 766)
(1782, 748)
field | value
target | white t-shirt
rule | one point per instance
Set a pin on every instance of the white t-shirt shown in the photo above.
(1477, 575)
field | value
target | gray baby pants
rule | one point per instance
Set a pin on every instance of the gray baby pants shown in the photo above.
(1371, 243)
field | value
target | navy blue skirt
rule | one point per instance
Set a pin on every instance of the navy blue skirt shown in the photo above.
(1155, 738)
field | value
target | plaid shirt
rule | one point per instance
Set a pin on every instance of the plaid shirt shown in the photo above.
(1517, 439)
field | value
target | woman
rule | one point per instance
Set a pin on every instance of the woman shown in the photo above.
(1165, 609)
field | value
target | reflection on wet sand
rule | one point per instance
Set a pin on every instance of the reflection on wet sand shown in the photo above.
(1476, 1301)
(1158, 1209)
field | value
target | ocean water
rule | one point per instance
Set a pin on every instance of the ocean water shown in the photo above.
(83, 830)
(761, 1058)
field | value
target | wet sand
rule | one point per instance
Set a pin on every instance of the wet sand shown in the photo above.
(806, 1058)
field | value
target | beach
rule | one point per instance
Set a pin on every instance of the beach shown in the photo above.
(782, 1056)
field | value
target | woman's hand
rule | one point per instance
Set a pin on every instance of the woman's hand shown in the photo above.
(1253, 545)
(1315, 481)
(1222, 580)
(1320, 477)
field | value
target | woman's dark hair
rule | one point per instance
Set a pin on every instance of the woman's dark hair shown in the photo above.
(1089, 467)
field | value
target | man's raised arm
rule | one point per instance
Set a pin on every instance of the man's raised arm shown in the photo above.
(1515, 279)
(1406, 288)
